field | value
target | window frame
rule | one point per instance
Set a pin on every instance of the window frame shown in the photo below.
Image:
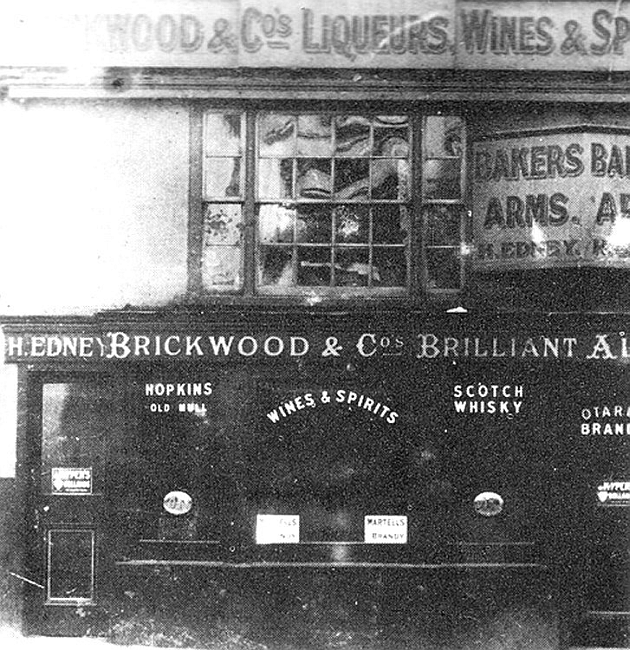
(417, 287)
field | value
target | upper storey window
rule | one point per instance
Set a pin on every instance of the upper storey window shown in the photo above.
(331, 203)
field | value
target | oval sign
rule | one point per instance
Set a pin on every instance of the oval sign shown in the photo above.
(488, 504)
(177, 503)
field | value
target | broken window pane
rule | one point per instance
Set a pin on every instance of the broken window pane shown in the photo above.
(221, 267)
(389, 267)
(352, 179)
(222, 134)
(443, 136)
(314, 266)
(391, 143)
(275, 224)
(352, 267)
(443, 268)
(443, 223)
(222, 224)
(390, 224)
(352, 224)
(314, 137)
(442, 179)
(276, 266)
(276, 135)
(352, 136)
(391, 120)
(222, 178)
(313, 178)
(390, 179)
(314, 223)
(275, 178)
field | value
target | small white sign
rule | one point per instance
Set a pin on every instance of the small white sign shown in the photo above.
(385, 529)
(614, 493)
(71, 480)
(177, 503)
(277, 529)
(488, 504)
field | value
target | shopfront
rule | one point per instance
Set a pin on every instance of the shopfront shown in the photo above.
(321, 338)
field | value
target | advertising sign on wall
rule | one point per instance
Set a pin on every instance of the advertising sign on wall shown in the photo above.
(71, 480)
(318, 34)
(552, 199)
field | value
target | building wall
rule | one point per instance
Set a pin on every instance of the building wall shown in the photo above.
(95, 201)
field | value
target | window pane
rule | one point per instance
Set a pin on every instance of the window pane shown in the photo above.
(222, 134)
(352, 179)
(352, 267)
(275, 224)
(390, 179)
(443, 268)
(391, 224)
(391, 120)
(389, 267)
(352, 224)
(77, 423)
(313, 178)
(314, 266)
(314, 224)
(221, 267)
(443, 136)
(314, 137)
(276, 266)
(352, 135)
(391, 143)
(70, 565)
(222, 224)
(275, 178)
(442, 179)
(276, 135)
(443, 224)
(222, 178)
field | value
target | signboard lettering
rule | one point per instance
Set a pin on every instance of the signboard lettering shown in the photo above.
(614, 493)
(552, 200)
(93, 345)
(448, 34)
(277, 529)
(385, 529)
(71, 480)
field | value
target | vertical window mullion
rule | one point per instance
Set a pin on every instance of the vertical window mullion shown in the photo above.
(417, 235)
(249, 206)
(195, 202)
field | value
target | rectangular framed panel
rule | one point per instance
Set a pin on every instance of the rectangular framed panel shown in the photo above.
(70, 566)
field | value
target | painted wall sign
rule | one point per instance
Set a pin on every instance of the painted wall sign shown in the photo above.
(543, 35)
(71, 480)
(552, 199)
(614, 493)
(318, 33)
(168, 397)
(605, 420)
(488, 504)
(177, 503)
(474, 341)
(277, 529)
(488, 398)
(335, 397)
(232, 33)
(385, 529)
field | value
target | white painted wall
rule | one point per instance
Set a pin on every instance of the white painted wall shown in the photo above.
(94, 205)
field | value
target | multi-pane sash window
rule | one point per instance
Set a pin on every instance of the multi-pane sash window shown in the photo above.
(223, 192)
(442, 201)
(330, 203)
(333, 201)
